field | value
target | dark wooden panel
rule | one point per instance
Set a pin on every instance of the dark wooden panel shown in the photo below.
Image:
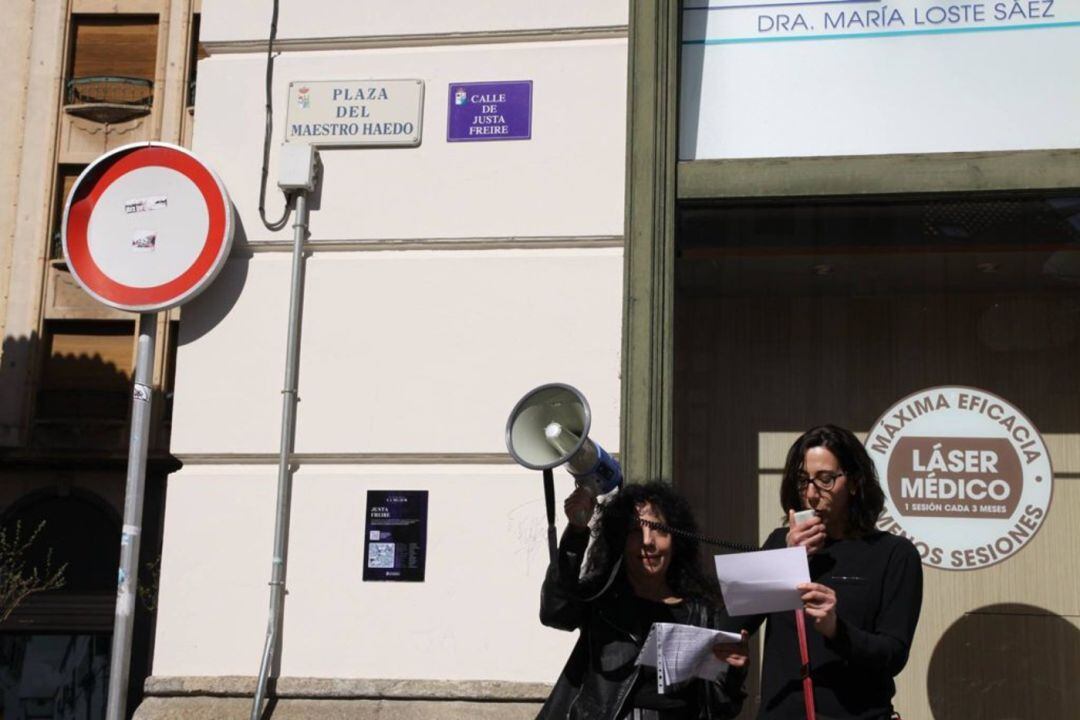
(745, 366)
(114, 45)
(89, 355)
(56, 612)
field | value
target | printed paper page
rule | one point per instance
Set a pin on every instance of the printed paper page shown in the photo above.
(761, 582)
(683, 652)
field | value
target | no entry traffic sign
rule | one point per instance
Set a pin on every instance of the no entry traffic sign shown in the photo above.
(147, 227)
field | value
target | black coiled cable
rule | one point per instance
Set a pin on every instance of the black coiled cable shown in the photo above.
(726, 545)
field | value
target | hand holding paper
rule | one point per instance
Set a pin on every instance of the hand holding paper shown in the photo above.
(683, 652)
(734, 654)
(762, 582)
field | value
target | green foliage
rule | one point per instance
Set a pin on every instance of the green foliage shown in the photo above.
(17, 582)
(148, 584)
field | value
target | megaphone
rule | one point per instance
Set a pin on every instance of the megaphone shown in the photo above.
(550, 427)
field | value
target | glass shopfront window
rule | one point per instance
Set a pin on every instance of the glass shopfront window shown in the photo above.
(59, 677)
(792, 313)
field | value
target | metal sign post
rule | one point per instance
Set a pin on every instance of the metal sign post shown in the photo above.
(147, 227)
(345, 113)
(274, 625)
(127, 581)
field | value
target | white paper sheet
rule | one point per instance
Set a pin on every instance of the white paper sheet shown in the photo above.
(682, 652)
(761, 582)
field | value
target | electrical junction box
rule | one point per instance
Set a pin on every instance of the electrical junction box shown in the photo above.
(296, 167)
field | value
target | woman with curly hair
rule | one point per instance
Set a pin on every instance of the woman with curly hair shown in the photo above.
(636, 573)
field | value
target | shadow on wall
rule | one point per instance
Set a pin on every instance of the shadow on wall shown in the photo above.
(82, 398)
(84, 390)
(1006, 662)
(16, 357)
(210, 307)
(692, 60)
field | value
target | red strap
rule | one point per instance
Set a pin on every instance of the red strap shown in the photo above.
(804, 656)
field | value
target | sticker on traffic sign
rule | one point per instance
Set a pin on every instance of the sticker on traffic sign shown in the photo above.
(147, 227)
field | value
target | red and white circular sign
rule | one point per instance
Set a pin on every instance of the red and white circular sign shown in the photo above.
(147, 227)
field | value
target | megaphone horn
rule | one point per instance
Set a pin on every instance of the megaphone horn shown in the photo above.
(549, 427)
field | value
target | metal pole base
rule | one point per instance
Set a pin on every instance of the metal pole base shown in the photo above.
(127, 582)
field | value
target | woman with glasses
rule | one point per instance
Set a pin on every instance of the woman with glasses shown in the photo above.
(636, 573)
(863, 603)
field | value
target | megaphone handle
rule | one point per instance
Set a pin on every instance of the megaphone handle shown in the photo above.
(549, 499)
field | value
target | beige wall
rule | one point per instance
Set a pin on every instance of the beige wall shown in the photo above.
(15, 56)
(480, 595)
(37, 47)
(406, 355)
(242, 21)
(403, 352)
(440, 190)
(443, 282)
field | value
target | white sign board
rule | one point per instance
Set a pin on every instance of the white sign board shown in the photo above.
(775, 78)
(966, 476)
(355, 113)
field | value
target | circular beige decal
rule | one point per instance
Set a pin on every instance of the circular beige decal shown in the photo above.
(967, 477)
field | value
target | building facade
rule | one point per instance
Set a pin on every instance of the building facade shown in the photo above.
(798, 242)
(79, 78)
(727, 222)
(440, 256)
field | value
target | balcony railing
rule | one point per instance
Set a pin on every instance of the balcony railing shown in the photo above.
(110, 89)
(108, 98)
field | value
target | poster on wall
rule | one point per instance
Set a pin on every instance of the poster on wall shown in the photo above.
(967, 476)
(395, 535)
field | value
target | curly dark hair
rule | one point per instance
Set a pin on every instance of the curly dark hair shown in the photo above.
(618, 516)
(867, 500)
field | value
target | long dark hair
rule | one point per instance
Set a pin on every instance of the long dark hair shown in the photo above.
(618, 516)
(867, 499)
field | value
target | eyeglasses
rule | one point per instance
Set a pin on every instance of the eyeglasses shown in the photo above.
(824, 480)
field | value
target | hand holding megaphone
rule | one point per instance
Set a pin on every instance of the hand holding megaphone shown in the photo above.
(579, 507)
(549, 427)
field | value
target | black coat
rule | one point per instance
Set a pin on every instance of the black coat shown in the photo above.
(600, 674)
(878, 583)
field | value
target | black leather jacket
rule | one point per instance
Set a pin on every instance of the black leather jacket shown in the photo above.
(600, 674)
